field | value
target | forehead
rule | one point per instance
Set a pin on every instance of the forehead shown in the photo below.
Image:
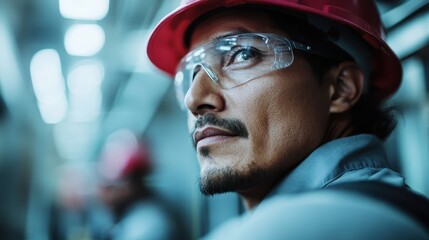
(228, 21)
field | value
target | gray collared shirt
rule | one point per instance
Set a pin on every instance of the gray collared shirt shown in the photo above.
(355, 158)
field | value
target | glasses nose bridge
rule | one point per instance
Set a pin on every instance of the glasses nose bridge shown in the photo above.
(208, 70)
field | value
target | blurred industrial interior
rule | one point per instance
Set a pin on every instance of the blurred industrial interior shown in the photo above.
(74, 72)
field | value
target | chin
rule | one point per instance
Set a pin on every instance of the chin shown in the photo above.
(220, 180)
(215, 181)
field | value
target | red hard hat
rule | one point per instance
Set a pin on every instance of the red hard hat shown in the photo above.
(166, 45)
(118, 162)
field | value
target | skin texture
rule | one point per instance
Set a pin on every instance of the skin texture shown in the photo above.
(287, 114)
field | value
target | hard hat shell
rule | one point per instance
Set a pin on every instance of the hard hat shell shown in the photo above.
(166, 45)
(119, 163)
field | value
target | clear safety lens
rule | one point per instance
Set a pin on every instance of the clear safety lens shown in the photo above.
(235, 60)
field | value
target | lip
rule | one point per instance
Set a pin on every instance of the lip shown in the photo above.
(211, 132)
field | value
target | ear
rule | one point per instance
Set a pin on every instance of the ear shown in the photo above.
(347, 84)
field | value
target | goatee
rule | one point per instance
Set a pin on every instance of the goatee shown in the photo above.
(228, 179)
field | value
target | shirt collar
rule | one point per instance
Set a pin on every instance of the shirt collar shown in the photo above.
(331, 160)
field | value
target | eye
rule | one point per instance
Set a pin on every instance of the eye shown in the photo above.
(242, 55)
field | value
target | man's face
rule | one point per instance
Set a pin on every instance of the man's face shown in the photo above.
(248, 137)
(114, 195)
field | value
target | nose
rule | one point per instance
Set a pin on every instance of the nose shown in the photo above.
(204, 95)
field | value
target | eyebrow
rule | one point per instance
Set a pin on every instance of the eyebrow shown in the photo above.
(238, 31)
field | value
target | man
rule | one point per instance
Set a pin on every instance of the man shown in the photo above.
(137, 210)
(285, 98)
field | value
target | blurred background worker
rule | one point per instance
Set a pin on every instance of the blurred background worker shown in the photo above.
(136, 209)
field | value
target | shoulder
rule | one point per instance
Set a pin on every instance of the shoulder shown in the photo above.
(325, 214)
(328, 214)
(227, 230)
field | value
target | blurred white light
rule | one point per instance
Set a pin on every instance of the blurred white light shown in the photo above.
(178, 79)
(84, 9)
(54, 112)
(85, 77)
(45, 69)
(48, 85)
(84, 39)
(85, 96)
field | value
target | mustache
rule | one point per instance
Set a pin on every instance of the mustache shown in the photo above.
(235, 126)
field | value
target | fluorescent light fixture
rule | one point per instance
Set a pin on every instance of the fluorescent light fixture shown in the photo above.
(48, 85)
(55, 112)
(85, 95)
(85, 77)
(84, 39)
(84, 9)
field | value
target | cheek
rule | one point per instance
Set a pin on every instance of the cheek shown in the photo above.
(286, 121)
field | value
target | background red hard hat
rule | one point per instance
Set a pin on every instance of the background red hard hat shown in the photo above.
(121, 158)
(166, 45)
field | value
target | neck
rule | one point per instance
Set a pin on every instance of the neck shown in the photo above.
(251, 197)
(340, 126)
(250, 201)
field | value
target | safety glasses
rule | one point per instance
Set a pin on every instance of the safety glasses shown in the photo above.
(234, 60)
